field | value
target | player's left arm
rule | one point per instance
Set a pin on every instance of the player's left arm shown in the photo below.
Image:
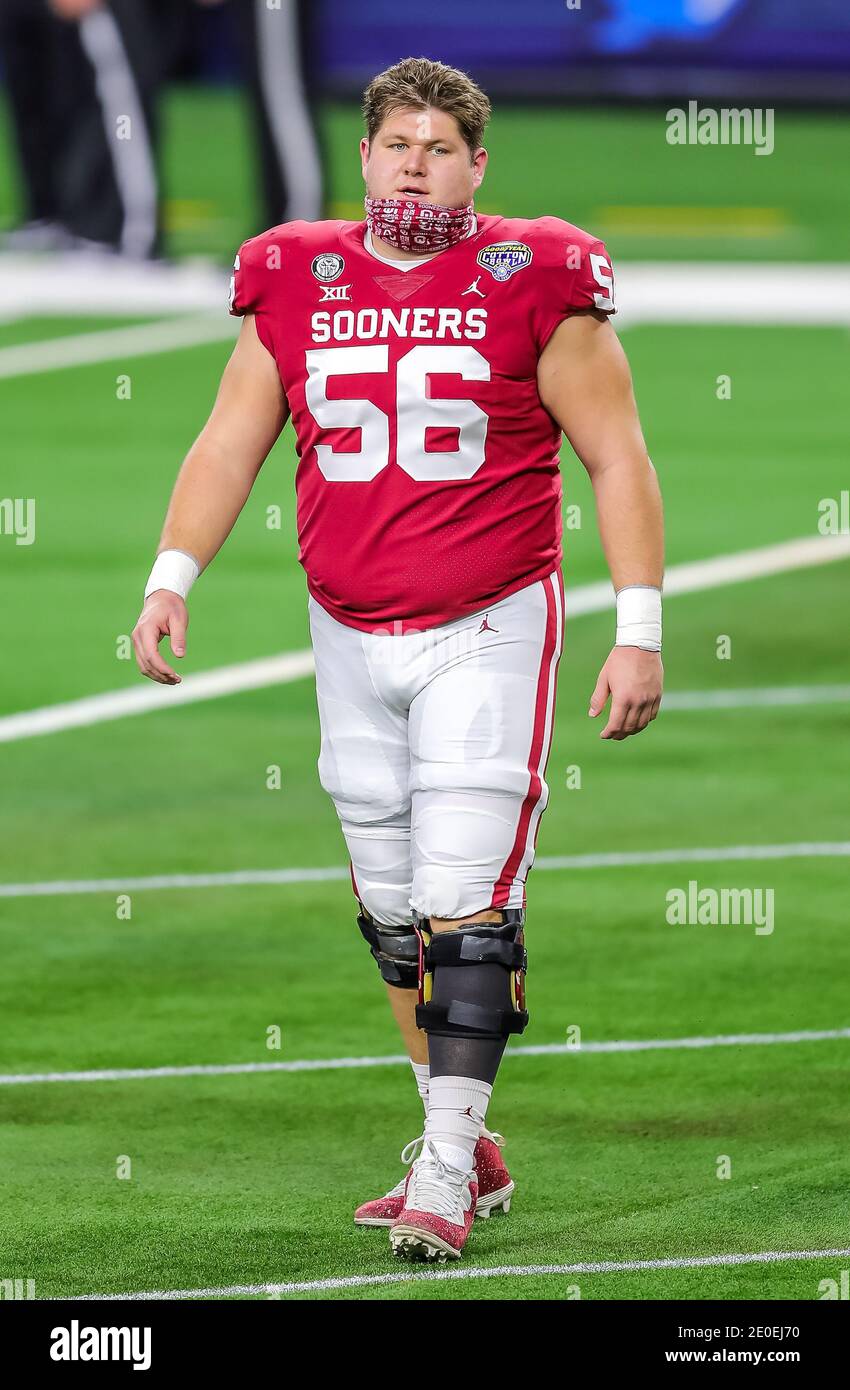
(584, 381)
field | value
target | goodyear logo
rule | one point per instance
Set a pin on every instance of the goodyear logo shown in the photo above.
(504, 258)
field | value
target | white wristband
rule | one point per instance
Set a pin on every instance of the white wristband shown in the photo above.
(639, 617)
(174, 570)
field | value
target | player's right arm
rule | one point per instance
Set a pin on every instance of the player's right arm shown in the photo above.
(212, 486)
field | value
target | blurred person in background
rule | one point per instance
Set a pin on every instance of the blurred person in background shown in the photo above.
(278, 53)
(31, 44)
(83, 78)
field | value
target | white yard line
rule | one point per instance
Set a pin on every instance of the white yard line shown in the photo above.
(361, 1281)
(147, 696)
(90, 283)
(241, 878)
(803, 553)
(714, 292)
(696, 575)
(652, 292)
(238, 879)
(802, 849)
(760, 697)
(108, 344)
(401, 1060)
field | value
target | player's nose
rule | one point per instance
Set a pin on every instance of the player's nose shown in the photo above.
(415, 163)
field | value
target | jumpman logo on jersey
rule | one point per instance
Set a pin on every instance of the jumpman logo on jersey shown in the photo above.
(473, 289)
(485, 625)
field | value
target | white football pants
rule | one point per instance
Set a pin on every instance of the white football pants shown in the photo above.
(434, 747)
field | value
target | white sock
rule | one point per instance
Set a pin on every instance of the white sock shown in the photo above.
(457, 1107)
(422, 1072)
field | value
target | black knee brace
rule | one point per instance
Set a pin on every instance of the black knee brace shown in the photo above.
(396, 950)
(478, 946)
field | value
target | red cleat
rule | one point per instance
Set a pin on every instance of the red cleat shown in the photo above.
(495, 1185)
(438, 1211)
(385, 1211)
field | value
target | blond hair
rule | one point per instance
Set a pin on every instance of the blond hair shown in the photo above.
(420, 83)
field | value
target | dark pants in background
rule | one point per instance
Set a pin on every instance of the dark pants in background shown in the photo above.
(278, 50)
(83, 97)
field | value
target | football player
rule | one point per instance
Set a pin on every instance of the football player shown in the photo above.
(430, 358)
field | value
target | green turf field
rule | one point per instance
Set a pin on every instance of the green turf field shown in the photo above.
(245, 1179)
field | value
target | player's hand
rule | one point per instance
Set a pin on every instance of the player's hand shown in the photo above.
(634, 679)
(73, 9)
(164, 613)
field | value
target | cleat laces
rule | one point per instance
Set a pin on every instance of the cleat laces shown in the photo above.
(437, 1188)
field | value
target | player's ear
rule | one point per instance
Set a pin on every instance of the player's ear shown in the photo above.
(364, 154)
(479, 165)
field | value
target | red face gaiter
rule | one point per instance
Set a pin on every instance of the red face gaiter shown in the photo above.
(413, 226)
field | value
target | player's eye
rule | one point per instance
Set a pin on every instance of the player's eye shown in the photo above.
(440, 149)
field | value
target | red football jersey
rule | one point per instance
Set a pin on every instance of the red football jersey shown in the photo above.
(428, 484)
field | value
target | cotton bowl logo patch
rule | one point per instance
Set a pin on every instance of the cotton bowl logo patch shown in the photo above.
(329, 266)
(504, 258)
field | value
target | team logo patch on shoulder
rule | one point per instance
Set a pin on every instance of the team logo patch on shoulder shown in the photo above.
(504, 258)
(328, 266)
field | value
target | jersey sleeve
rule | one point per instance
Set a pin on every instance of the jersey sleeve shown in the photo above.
(251, 284)
(578, 275)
